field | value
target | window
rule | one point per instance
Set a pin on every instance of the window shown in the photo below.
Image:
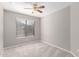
(24, 27)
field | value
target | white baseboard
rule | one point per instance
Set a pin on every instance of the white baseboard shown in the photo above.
(59, 48)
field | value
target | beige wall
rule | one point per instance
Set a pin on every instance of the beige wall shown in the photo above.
(55, 28)
(10, 28)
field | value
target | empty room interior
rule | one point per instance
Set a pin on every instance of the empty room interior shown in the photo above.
(39, 29)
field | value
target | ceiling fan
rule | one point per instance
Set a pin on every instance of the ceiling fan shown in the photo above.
(36, 7)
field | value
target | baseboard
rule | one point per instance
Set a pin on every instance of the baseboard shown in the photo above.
(59, 48)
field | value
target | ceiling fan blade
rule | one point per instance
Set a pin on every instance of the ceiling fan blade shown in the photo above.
(41, 7)
(39, 11)
(27, 8)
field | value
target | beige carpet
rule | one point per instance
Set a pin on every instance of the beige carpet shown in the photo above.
(35, 49)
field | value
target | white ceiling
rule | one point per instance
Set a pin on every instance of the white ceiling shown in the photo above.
(19, 7)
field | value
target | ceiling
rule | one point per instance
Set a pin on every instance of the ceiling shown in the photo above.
(50, 7)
